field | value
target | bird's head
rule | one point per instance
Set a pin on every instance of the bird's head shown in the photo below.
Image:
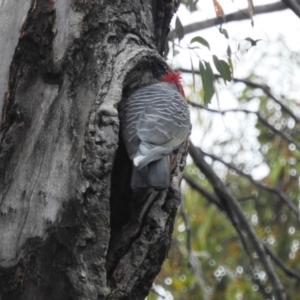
(174, 77)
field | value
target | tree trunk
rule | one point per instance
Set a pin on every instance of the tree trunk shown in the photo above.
(70, 226)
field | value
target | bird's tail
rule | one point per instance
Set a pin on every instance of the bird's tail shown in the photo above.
(156, 174)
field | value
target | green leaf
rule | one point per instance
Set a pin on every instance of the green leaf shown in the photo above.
(229, 52)
(190, 4)
(224, 32)
(193, 73)
(179, 29)
(201, 41)
(208, 78)
(223, 68)
(231, 66)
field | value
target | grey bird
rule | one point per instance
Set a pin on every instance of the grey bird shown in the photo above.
(156, 122)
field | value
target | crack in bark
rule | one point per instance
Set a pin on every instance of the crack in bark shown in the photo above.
(28, 203)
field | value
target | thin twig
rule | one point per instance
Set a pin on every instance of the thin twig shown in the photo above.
(285, 136)
(281, 195)
(193, 261)
(254, 85)
(246, 198)
(209, 196)
(288, 271)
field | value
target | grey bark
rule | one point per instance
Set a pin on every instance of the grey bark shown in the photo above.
(70, 226)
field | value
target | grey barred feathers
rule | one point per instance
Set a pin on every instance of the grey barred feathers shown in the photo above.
(156, 121)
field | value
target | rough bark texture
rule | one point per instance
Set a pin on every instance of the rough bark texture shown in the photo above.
(70, 226)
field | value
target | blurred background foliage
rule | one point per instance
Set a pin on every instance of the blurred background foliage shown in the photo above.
(254, 148)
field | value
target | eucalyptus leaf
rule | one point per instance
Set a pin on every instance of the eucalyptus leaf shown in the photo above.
(223, 68)
(208, 78)
(201, 41)
(179, 29)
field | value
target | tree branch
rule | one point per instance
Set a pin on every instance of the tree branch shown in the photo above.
(246, 198)
(254, 85)
(281, 195)
(234, 208)
(288, 271)
(285, 136)
(209, 196)
(236, 16)
(215, 200)
(293, 5)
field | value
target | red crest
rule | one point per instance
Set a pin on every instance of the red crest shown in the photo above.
(174, 77)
